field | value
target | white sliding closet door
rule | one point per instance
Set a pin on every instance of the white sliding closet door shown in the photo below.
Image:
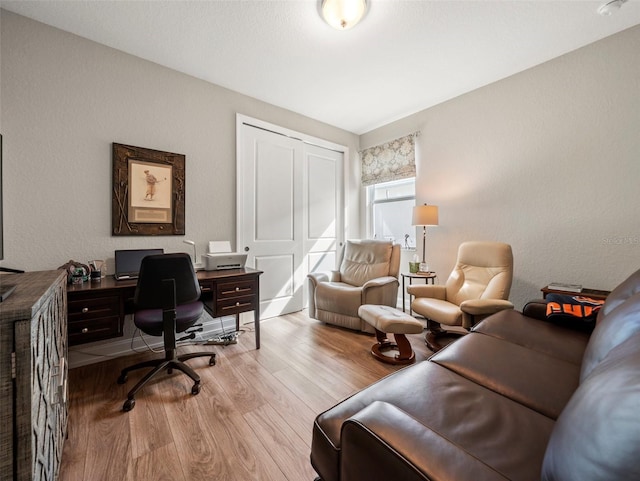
(324, 224)
(289, 213)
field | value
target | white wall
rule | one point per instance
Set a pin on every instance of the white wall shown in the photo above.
(66, 99)
(546, 160)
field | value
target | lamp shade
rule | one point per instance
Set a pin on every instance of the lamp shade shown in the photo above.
(343, 14)
(425, 215)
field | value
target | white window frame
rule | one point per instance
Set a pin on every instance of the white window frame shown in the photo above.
(371, 203)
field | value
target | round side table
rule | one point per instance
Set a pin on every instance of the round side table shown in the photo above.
(427, 276)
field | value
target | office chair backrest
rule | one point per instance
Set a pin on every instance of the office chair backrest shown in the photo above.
(157, 268)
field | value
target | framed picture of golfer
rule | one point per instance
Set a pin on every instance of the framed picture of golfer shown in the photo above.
(148, 192)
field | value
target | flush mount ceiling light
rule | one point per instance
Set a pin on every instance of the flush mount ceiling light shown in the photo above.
(343, 14)
(610, 8)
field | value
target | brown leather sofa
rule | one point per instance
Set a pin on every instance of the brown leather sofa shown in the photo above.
(519, 398)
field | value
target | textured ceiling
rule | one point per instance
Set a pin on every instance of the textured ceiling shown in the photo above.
(403, 57)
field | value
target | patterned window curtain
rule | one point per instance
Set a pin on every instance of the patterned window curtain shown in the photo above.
(392, 160)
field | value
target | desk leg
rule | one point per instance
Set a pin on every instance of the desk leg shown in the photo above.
(256, 315)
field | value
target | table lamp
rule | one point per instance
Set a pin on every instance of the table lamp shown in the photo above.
(424, 215)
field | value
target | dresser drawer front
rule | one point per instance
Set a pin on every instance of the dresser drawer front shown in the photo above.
(231, 290)
(93, 308)
(94, 330)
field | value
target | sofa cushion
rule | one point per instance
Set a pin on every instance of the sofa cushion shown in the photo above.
(481, 422)
(597, 436)
(613, 329)
(534, 379)
(513, 326)
(372, 435)
(629, 287)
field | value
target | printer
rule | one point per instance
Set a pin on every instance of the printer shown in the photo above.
(220, 257)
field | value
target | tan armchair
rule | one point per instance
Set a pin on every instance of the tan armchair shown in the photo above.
(478, 286)
(368, 275)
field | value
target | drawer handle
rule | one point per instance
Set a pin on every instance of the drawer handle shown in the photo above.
(236, 305)
(85, 330)
(85, 310)
(237, 289)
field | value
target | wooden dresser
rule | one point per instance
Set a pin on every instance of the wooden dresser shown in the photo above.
(33, 376)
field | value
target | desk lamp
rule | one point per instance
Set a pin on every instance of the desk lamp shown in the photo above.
(425, 215)
(195, 256)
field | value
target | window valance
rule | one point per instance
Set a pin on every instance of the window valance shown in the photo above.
(392, 160)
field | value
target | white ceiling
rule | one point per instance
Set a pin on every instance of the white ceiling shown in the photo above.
(403, 57)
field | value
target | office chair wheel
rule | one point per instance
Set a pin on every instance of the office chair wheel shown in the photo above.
(128, 405)
(122, 378)
(195, 389)
(212, 360)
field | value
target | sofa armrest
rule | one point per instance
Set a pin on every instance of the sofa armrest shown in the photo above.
(403, 449)
(484, 307)
(429, 290)
(536, 308)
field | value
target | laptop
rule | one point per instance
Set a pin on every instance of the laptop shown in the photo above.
(128, 262)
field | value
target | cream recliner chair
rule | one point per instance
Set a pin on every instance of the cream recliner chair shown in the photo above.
(368, 275)
(478, 286)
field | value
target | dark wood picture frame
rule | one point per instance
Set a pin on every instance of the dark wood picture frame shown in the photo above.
(148, 192)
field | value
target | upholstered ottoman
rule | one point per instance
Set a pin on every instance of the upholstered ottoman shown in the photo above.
(388, 320)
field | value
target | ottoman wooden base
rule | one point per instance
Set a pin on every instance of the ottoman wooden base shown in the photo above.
(385, 319)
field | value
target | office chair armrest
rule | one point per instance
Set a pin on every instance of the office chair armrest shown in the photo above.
(317, 277)
(429, 290)
(379, 281)
(483, 307)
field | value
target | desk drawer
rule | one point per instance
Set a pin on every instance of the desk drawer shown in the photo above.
(94, 330)
(233, 289)
(225, 307)
(93, 307)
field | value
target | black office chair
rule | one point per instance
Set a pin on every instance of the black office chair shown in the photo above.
(166, 301)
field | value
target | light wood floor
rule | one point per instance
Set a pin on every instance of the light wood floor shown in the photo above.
(252, 420)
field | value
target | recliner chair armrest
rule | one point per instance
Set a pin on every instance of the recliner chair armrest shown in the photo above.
(383, 432)
(318, 277)
(429, 290)
(378, 282)
(484, 307)
(335, 276)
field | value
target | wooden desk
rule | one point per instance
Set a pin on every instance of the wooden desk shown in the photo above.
(97, 309)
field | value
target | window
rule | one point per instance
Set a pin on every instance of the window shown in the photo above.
(389, 207)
